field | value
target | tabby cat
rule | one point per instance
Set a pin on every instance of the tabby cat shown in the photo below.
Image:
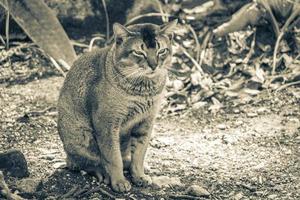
(109, 100)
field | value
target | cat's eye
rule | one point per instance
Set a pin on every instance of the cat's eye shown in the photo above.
(139, 53)
(163, 51)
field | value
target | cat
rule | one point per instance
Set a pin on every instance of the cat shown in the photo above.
(109, 100)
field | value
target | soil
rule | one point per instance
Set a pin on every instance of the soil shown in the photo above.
(247, 151)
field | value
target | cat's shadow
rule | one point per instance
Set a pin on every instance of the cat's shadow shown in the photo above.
(67, 184)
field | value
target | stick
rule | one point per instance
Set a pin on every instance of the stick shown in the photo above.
(56, 65)
(192, 59)
(92, 42)
(5, 191)
(163, 18)
(98, 189)
(196, 40)
(287, 85)
(183, 196)
(70, 193)
(147, 15)
(251, 51)
(7, 26)
(107, 19)
(204, 45)
(285, 27)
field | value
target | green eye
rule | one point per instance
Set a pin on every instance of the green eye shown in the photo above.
(139, 53)
(163, 51)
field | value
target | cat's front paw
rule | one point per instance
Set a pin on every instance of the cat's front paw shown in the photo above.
(142, 181)
(121, 185)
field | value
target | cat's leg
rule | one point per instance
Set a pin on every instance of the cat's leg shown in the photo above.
(126, 152)
(108, 138)
(140, 140)
(79, 143)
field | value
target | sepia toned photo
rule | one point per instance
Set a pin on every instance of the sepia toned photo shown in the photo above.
(149, 99)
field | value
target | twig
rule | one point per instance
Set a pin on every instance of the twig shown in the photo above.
(7, 26)
(203, 49)
(70, 193)
(183, 196)
(163, 18)
(98, 189)
(92, 42)
(251, 51)
(74, 43)
(192, 59)
(147, 15)
(287, 85)
(5, 191)
(81, 191)
(275, 52)
(274, 23)
(280, 147)
(107, 19)
(56, 65)
(64, 64)
(285, 27)
(197, 42)
(2, 40)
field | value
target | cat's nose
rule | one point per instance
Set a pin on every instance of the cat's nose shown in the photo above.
(152, 62)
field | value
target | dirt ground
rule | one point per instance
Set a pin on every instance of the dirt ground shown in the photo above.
(249, 151)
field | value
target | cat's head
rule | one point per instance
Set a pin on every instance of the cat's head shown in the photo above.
(143, 51)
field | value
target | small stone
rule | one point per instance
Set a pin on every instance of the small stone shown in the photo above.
(236, 111)
(272, 196)
(252, 115)
(238, 196)
(261, 110)
(14, 162)
(165, 181)
(238, 123)
(59, 165)
(28, 185)
(178, 85)
(198, 105)
(198, 191)
(83, 173)
(221, 126)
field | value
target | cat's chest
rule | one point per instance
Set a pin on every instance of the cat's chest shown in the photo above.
(138, 111)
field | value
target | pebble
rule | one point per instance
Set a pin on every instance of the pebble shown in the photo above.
(272, 196)
(198, 105)
(238, 123)
(165, 181)
(59, 165)
(196, 190)
(261, 110)
(221, 126)
(238, 196)
(252, 115)
(14, 162)
(28, 185)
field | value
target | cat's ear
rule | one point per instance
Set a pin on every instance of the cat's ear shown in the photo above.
(169, 28)
(120, 32)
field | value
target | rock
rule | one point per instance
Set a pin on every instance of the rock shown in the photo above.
(221, 126)
(238, 123)
(28, 185)
(59, 165)
(198, 105)
(165, 181)
(14, 162)
(196, 190)
(238, 196)
(178, 85)
(262, 110)
(252, 115)
(272, 196)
